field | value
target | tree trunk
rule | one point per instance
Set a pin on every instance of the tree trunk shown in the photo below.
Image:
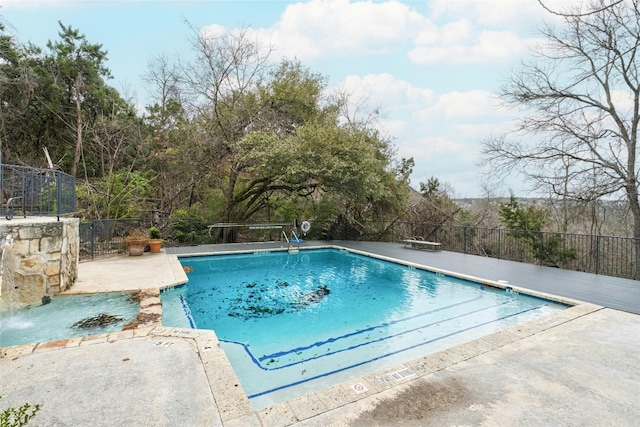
(632, 194)
(78, 151)
(229, 202)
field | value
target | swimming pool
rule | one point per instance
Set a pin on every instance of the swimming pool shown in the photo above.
(67, 316)
(292, 324)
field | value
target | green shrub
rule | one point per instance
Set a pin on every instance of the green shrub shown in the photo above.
(155, 233)
(18, 416)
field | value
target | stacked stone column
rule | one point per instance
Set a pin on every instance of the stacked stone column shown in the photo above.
(38, 258)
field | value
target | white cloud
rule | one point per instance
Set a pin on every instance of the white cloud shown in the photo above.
(623, 100)
(385, 90)
(437, 145)
(318, 28)
(456, 32)
(480, 31)
(213, 30)
(446, 140)
(462, 105)
(396, 100)
(339, 28)
(452, 160)
(468, 47)
(512, 13)
(500, 44)
(393, 128)
(479, 131)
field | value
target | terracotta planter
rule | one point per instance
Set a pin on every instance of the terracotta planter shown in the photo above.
(155, 245)
(136, 247)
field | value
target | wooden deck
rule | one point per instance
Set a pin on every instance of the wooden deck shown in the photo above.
(612, 292)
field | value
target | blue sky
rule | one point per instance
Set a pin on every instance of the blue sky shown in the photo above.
(431, 67)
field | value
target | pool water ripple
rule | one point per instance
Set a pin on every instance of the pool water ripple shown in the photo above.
(290, 323)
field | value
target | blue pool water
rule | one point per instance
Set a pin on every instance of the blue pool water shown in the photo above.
(60, 318)
(290, 323)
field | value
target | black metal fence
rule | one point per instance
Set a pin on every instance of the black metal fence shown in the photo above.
(107, 236)
(606, 255)
(28, 191)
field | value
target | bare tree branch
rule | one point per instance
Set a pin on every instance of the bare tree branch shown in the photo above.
(592, 12)
(581, 95)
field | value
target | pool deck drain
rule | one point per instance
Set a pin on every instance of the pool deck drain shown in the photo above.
(579, 366)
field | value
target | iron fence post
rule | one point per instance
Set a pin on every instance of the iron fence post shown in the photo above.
(93, 238)
(464, 239)
(597, 254)
(636, 247)
(540, 248)
(58, 195)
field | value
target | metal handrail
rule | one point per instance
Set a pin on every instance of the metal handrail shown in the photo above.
(39, 192)
(9, 208)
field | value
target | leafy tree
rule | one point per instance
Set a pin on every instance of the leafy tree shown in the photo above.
(229, 136)
(526, 224)
(289, 96)
(187, 227)
(78, 71)
(270, 137)
(582, 95)
(17, 113)
(352, 160)
(122, 194)
(320, 157)
(175, 151)
(522, 222)
(53, 98)
(432, 209)
(269, 157)
(219, 91)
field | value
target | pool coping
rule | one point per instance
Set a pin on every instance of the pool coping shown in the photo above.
(233, 404)
(310, 405)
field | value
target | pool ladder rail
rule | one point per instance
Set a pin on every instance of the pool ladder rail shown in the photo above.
(294, 239)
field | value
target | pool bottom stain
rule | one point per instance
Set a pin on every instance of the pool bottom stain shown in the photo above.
(358, 315)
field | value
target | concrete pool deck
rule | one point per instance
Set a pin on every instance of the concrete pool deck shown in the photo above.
(577, 367)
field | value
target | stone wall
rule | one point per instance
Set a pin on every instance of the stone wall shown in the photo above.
(38, 257)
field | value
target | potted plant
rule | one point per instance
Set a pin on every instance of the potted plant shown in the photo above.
(155, 239)
(136, 242)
